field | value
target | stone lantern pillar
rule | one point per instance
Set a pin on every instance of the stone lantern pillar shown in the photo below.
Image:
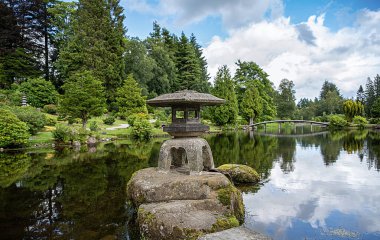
(186, 152)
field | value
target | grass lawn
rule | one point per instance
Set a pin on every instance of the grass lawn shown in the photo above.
(42, 137)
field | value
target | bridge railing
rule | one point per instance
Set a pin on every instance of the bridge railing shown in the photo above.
(291, 121)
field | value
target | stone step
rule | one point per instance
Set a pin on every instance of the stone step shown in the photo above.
(241, 233)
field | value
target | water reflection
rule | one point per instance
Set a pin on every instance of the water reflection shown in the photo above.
(320, 185)
(68, 194)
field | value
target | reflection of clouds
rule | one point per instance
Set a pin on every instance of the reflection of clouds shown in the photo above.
(312, 192)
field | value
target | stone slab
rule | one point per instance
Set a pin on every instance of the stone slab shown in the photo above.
(241, 233)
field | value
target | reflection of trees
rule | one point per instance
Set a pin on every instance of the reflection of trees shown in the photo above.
(13, 166)
(353, 142)
(331, 147)
(257, 152)
(372, 150)
(68, 194)
(286, 149)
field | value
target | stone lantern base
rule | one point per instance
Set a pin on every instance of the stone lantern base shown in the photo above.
(187, 155)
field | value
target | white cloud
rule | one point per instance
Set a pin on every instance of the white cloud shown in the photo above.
(233, 13)
(307, 53)
(347, 187)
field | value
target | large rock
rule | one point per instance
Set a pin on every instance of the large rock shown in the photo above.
(171, 205)
(149, 185)
(240, 233)
(239, 173)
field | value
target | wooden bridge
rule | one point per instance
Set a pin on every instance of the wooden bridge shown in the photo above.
(323, 124)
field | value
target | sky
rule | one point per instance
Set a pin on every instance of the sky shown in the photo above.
(307, 42)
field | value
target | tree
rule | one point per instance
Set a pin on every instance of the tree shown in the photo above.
(375, 110)
(360, 94)
(352, 108)
(251, 106)
(189, 71)
(204, 84)
(328, 87)
(39, 92)
(249, 73)
(97, 44)
(285, 99)
(370, 97)
(332, 102)
(224, 88)
(139, 63)
(129, 99)
(83, 97)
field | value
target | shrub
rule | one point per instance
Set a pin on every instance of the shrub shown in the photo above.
(157, 124)
(94, 126)
(361, 121)
(109, 120)
(69, 134)
(50, 121)
(13, 132)
(374, 120)
(32, 117)
(137, 116)
(50, 108)
(141, 130)
(338, 122)
(39, 92)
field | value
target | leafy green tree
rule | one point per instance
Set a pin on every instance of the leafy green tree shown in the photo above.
(139, 63)
(13, 132)
(352, 108)
(326, 88)
(129, 98)
(375, 110)
(34, 119)
(285, 100)
(83, 97)
(97, 44)
(225, 88)
(332, 103)
(251, 106)
(204, 77)
(39, 92)
(249, 73)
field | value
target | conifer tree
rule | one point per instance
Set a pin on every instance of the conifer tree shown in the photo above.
(97, 43)
(188, 68)
(129, 98)
(224, 88)
(83, 97)
(369, 97)
(204, 77)
(360, 94)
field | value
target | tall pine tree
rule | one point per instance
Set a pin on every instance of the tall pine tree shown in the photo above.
(204, 77)
(370, 97)
(97, 43)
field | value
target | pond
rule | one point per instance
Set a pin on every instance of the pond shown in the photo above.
(321, 185)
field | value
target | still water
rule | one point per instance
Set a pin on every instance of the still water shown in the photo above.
(322, 185)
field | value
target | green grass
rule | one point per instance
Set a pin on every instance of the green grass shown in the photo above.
(41, 138)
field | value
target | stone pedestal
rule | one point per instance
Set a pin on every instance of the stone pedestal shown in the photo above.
(187, 155)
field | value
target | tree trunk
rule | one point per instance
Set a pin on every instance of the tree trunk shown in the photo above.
(250, 121)
(84, 123)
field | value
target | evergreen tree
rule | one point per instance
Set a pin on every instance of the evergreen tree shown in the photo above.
(249, 73)
(83, 97)
(285, 100)
(189, 71)
(129, 98)
(204, 77)
(376, 86)
(360, 94)
(224, 88)
(97, 43)
(369, 97)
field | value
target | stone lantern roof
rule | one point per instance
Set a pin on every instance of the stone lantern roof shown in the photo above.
(185, 97)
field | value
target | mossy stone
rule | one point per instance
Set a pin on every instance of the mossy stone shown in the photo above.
(240, 173)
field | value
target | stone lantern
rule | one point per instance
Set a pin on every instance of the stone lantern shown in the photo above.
(186, 152)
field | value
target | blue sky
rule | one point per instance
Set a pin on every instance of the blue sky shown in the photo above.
(305, 41)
